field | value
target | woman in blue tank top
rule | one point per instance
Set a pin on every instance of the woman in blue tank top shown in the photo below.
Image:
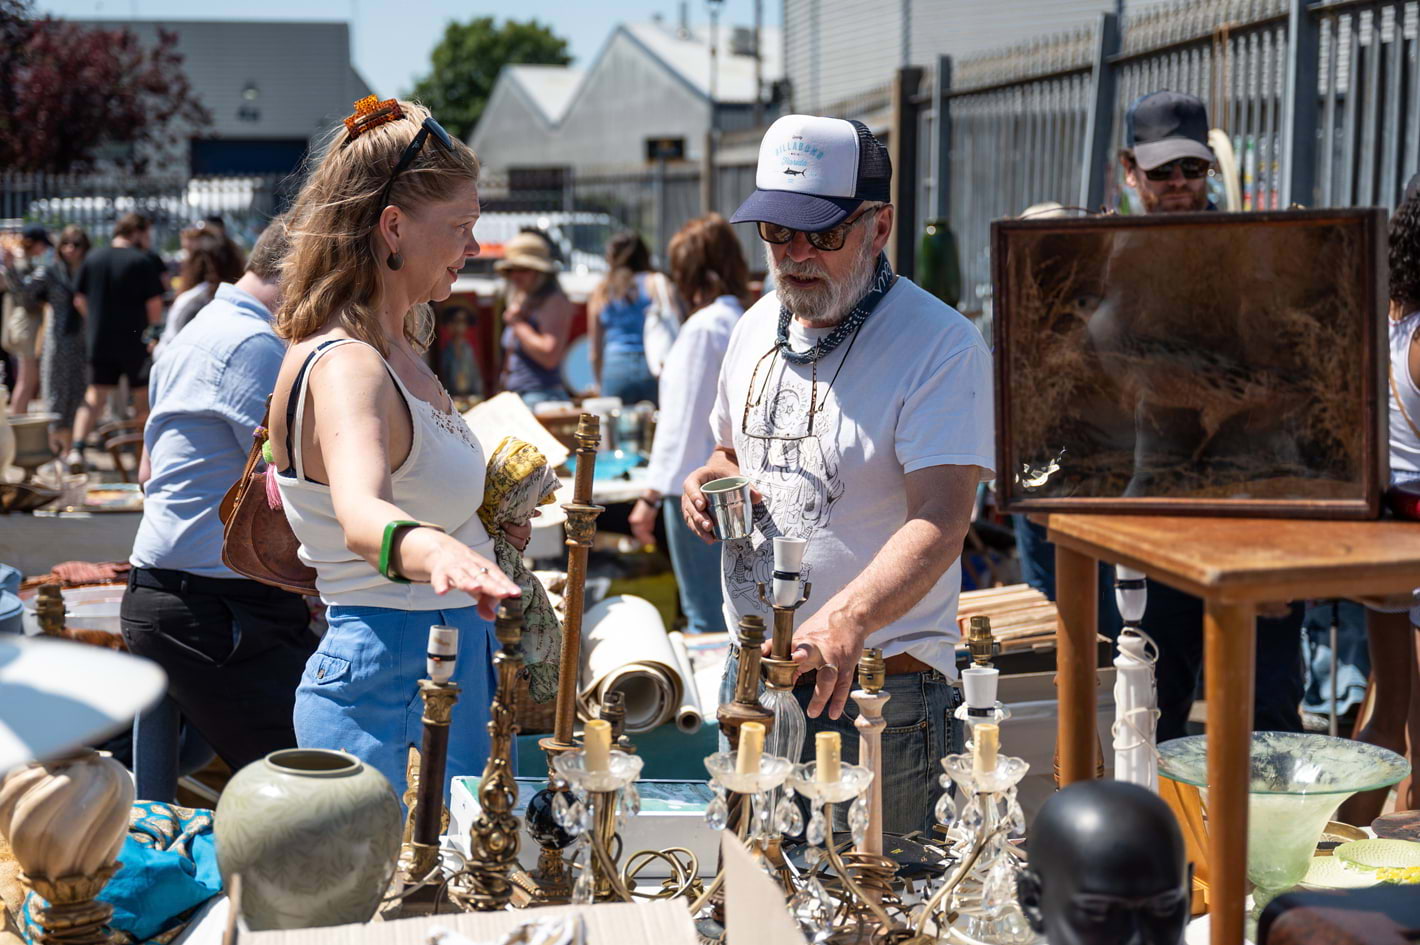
(616, 322)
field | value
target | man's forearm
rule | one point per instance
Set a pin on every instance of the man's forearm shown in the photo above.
(908, 566)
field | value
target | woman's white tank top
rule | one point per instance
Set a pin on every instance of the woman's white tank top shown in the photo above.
(1404, 398)
(441, 481)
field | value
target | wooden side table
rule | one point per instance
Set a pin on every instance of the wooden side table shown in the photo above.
(1233, 565)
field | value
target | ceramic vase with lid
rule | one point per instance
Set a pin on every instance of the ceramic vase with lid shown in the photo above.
(314, 834)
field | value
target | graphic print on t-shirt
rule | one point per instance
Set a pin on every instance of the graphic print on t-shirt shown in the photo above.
(797, 475)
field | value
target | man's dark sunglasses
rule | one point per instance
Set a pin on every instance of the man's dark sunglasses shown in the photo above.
(828, 241)
(1193, 168)
(430, 128)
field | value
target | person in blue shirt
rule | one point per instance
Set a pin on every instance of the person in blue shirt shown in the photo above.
(616, 321)
(233, 648)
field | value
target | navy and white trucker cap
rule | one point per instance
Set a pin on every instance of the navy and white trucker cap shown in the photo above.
(813, 172)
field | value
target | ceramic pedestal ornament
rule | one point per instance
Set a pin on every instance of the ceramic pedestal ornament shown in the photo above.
(314, 835)
(1107, 866)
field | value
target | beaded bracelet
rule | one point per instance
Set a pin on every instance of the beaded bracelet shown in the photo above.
(387, 546)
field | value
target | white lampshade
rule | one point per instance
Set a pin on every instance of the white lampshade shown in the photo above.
(789, 554)
(56, 695)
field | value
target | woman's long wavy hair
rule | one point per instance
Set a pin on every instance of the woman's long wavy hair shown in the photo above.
(706, 262)
(332, 269)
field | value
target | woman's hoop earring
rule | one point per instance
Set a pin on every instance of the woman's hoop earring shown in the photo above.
(395, 261)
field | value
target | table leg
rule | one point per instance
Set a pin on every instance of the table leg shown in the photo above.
(1229, 645)
(1077, 595)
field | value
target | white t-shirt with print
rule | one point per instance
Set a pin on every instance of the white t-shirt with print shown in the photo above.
(911, 390)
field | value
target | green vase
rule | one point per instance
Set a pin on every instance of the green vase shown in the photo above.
(314, 835)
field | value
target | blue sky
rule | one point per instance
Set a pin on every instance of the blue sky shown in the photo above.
(392, 41)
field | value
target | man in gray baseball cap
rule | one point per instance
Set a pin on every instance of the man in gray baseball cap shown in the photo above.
(1166, 157)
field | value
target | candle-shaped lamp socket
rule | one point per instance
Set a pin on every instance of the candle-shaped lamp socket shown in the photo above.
(980, 641)
(827, 746)
(985, 737)
(443, 651)
(788, 565)
(596, 741)
(872, 671)
(751, 748)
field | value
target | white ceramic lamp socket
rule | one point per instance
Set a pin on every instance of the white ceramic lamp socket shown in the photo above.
(1132, 598)
(979, 684)
(443, 649)
(788, 562)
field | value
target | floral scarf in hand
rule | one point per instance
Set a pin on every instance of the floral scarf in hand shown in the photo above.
(518, 481)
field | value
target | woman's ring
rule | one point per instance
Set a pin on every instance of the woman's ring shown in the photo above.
(482, 570)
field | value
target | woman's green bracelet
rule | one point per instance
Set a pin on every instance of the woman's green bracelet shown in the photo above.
(387, 546)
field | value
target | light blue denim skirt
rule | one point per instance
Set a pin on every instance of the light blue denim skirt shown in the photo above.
(360, 690)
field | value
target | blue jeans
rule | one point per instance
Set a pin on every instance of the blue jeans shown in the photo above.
(625, 374)
(920, 731)
(360, 690)
(697, 573)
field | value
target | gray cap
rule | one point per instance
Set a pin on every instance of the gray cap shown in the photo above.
(1164, 126)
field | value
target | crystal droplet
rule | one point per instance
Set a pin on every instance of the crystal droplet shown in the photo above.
(999, 890)
(971, 816)
(631, 800)
(814, 855)
(788, 819)
(561, 808)
(575, 815)
(1015, 819)
(817, 828)
(717, 813)
(858, 820)
(584, 890)
(584, 816)
(945, 782)
(946, 811)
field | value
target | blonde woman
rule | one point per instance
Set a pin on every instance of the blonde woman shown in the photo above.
(380, 478)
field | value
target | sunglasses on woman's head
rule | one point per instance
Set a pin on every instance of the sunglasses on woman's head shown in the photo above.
(429, 129)
(829, 241)
(1193, 168)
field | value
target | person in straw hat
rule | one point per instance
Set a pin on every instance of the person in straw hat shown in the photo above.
(537, 319)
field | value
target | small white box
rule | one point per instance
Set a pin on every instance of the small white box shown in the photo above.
(672, 815)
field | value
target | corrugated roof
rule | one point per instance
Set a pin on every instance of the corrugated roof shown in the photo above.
(689, 57)
(551, 88)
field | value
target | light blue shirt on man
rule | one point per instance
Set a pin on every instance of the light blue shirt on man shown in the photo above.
(208, 393)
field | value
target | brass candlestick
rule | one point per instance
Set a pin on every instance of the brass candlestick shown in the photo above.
(420, 856)
(49, 609)
(553, 882)
(493, 841)
(746, 706)
(65, 821)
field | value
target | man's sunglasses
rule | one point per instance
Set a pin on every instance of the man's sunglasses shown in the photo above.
(828, 241)
(430, 128)
(1193, 168)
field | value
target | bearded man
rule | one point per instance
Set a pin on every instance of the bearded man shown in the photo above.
(859, 406)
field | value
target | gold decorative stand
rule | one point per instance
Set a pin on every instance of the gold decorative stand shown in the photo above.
(553, 882)
(484, 885)
(65, 821)
(420, 856)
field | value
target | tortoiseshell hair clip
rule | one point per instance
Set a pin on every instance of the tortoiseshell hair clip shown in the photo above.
(370, 112)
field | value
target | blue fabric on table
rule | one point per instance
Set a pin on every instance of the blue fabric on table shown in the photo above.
(169, 869)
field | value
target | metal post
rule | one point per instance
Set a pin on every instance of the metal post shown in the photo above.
(1099, 127)
(758, 64)
(942, 174)
(1299, 119)
(903, 147)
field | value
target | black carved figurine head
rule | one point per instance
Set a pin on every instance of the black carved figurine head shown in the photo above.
(1107, 866)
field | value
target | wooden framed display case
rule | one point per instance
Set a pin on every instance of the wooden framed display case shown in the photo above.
(1199, 363)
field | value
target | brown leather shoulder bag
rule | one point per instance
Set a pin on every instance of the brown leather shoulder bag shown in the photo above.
(257, 541)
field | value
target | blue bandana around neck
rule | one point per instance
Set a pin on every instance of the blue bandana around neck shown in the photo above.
(883, 279)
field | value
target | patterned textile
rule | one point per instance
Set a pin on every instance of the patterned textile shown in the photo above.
(169, 869)
(518, 481)
(883, 280)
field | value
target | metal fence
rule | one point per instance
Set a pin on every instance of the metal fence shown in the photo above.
(1319, 103)
(172, 202)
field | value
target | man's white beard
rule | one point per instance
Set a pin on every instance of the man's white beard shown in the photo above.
(827, 303)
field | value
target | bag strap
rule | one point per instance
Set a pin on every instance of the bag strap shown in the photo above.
(258, 440)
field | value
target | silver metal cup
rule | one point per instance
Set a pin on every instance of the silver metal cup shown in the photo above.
(727, 500)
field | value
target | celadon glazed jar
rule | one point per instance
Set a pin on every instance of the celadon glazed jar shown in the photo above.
(314, 835)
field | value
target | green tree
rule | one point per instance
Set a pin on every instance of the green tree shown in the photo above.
(466, 63)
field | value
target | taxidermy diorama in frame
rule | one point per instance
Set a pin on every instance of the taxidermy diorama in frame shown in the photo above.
(1201, 363)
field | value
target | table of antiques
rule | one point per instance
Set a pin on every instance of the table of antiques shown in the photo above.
(1234, 565)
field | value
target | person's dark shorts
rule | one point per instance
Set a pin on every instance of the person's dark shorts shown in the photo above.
(106, 367)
